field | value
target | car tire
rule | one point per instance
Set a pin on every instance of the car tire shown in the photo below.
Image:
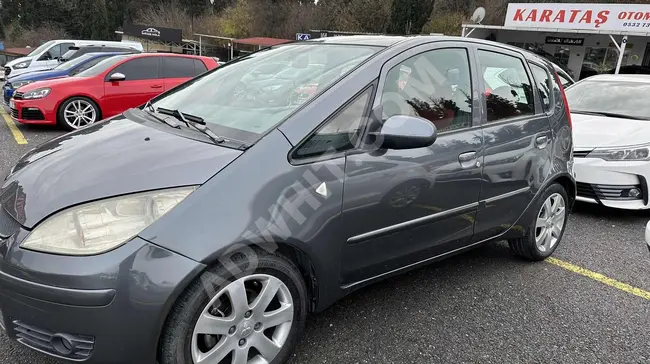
(536, 245)
(91, 111)
(179, 342)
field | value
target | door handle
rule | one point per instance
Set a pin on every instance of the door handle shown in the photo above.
(541, 141)
(468, 160)
(156, 86)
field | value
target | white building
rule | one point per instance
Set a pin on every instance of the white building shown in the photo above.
(585, 38)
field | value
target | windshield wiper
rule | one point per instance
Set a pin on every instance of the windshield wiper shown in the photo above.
(149, 109)
(194, 121)
(609, 114)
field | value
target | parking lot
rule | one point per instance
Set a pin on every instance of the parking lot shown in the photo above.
(590, 304)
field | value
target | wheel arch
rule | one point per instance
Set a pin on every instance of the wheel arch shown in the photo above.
(85, 96)
(517, 230)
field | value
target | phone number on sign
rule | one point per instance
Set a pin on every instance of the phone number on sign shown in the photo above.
(636, 25)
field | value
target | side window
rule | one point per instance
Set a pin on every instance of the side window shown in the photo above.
(178, 67)
(508, 90)
(199, 67)
(544, 85)
(340, 133)
(145, 68)
(565, 82)
(434, 85)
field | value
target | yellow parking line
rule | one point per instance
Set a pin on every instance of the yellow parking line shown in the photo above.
(600, 278)
(20, 138)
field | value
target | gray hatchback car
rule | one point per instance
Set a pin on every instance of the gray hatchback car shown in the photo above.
(204, 226)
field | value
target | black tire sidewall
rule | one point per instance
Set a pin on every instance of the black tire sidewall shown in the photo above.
(60, 119)
(177, 335)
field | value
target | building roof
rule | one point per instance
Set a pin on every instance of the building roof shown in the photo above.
(261, 41)
(642, 33)
(18, 51)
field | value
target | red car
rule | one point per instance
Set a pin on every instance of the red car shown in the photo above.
(109, 88)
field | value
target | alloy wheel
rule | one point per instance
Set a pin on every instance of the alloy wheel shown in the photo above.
(247, 322)
(79, 113)
(550, 222)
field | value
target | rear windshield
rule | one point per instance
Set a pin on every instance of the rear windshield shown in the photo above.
(615, 97)
(247, 97)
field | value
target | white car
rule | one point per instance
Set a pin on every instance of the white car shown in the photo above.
(647, 235)
(611, 139)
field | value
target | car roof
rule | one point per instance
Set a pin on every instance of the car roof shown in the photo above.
(368, 40)
(623, 77)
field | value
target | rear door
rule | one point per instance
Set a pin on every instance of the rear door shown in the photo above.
(517, 139)
(177, 70)
(143, 82)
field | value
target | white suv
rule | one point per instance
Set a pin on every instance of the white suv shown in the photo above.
(47, 55)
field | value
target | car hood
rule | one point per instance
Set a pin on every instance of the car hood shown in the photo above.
(38, 75)
(592, 131)
(62, 81)
(114, 157)
(17, 60)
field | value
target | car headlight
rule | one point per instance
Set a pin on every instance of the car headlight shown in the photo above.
(100, 226)
(20, 83)
(22, 65)
(638, 153)
(37, 94)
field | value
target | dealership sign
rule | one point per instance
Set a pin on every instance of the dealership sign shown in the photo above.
(154, 33)
(565, 41)
(613, 17)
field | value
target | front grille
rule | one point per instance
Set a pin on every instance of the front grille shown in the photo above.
(581, 153)
(18, 95)
(32, 114)
(14, 113)
(75, 347)
(608, 192)
(7, 71)
(8, 225)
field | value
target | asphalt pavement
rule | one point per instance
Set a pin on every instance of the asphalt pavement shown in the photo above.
(590, 305)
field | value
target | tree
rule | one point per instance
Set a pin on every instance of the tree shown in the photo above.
(93, 19)
(409, 16)
(194, 8)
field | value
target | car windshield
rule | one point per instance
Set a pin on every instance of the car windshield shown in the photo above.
(73, 63)
(101, 66)
(610, 97)
(243, 99)
(41, 48)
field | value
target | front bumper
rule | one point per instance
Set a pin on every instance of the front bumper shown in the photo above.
(32, 112)
(610, 183)
(107, 308)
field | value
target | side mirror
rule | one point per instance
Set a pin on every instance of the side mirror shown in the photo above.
(406, 132)
(117, 77)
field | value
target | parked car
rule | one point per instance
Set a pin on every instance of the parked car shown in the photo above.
(611, 117)
(196, 229)
(78, 51)
(647, 235)
(106, 89)
(47, 55)
(66, 69)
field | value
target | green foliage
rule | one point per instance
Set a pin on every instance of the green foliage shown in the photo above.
(445, 23)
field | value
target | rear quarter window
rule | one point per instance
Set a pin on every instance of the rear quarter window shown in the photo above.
(199, 67)
(544, 86)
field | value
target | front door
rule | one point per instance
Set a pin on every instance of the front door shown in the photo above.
(401, 207)
(517, 139)
(142, 83)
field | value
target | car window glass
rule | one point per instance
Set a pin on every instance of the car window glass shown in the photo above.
(435, 85)
(199, 67)
(508, 90)
(57, 51)
(88, 64)
(565, 82)
(178, 67)
(145, 68)
(340, 133)
(625, 98)
(544, 85)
